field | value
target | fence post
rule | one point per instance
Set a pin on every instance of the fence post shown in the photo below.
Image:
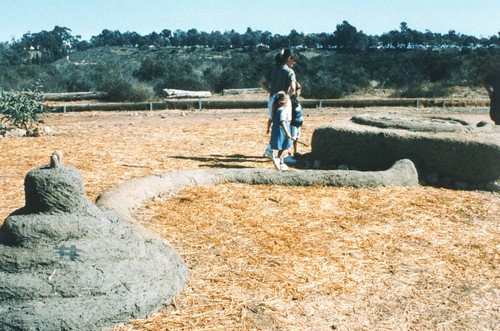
(150, 106)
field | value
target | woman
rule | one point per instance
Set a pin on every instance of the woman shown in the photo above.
(281, 77)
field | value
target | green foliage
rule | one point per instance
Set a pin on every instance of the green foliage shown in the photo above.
(22, 109)
(134, 74)
(114, 77)
(121, 89)
(44, 46)
(331, 76)
(151, 69)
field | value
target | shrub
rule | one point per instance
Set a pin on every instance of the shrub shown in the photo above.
(22, 109)
(124, 89)
(423, 91)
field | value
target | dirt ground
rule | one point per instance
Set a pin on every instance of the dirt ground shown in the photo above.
(278, 258)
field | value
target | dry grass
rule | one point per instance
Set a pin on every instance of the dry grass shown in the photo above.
(317, 258)
(281, 258)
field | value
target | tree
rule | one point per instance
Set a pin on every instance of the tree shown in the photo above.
(8, 55)
(346, 37)
(192, 37)
(178, 38)
(311, 40)
(150, 69)
(45, 46)
(265, 38)
(324, 40)
(219, 41)
(250, 39)
(404, 38)
(108, 38)
(236, 39)
(132, 39)
(295, 38)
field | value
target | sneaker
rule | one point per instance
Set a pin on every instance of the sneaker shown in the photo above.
(283, 167)
(290, 160)
(268, 152)
(276, 161)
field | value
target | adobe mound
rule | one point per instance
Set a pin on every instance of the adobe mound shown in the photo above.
(67, 265)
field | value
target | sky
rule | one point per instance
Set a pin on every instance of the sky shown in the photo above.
(89, 18)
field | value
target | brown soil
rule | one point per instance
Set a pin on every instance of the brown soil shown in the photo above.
(280, 258)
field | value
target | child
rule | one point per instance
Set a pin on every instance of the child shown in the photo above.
(280, 129)
(296, 122)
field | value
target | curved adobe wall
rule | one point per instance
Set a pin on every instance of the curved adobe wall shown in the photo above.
(448, 147)
(123, 198)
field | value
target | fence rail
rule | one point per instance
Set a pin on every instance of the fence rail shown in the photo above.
(206, 104)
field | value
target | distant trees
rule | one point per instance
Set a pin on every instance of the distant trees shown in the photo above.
(48, 46)
(45, 46)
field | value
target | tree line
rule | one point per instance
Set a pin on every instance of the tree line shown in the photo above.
(48, 46)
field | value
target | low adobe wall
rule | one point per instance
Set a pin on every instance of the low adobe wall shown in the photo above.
(447, 147)
(123, 198)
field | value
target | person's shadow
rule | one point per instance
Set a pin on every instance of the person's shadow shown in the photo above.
(226, 161)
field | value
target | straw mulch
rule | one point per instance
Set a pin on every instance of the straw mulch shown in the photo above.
(318, 258)
(281, 258)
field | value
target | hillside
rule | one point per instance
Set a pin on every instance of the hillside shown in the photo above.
(141, 74)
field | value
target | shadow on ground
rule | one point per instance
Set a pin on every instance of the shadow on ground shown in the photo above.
(226, 161)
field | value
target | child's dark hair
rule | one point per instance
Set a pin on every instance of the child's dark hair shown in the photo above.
(280, 99)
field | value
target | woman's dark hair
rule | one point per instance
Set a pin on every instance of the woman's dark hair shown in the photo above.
(285, 54)
(277, 58)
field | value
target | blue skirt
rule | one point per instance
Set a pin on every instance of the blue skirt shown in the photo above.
(279, 141)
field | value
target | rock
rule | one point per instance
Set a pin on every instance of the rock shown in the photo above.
(47, 130)
(16, 133)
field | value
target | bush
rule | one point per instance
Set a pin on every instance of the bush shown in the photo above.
(423, 91)
(122, 89)
(117, 82)
(22, 109)
(123, 72)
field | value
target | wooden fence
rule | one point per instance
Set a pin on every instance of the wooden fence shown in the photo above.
(206, 104)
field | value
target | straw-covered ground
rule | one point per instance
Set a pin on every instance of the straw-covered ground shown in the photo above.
(281, 258)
